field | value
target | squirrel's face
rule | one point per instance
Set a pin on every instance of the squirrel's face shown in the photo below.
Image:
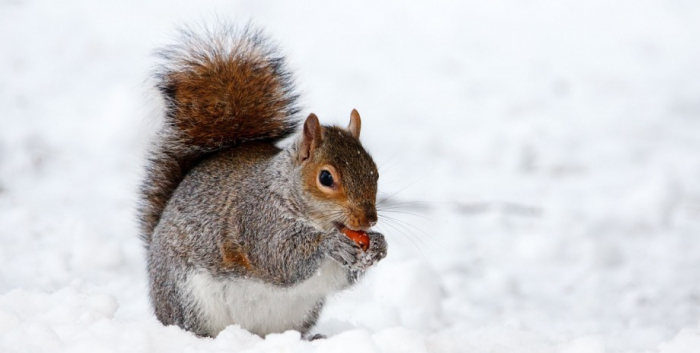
(339, 176)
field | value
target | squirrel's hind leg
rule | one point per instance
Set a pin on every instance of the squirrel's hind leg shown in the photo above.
(169, 307)
(168, 275)
(311, 321)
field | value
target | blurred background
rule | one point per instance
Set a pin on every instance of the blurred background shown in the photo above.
(540, 162)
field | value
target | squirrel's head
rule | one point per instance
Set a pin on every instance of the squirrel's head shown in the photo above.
(339, 177)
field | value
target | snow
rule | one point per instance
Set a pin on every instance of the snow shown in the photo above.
(542, 157)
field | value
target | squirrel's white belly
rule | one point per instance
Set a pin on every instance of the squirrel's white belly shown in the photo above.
(259, 307)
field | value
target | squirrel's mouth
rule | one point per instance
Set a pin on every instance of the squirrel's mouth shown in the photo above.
(340, 226)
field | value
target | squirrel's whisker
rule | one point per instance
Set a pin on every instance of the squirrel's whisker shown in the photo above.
(398, 225)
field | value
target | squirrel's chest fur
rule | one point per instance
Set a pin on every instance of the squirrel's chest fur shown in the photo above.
(257, 306)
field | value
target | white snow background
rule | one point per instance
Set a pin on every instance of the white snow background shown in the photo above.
(544, 157)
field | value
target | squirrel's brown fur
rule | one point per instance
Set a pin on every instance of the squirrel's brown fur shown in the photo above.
(221, 88)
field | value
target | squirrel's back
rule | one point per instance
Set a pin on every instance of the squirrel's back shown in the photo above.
(221, 87)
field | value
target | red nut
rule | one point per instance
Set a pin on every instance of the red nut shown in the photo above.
(359, 237)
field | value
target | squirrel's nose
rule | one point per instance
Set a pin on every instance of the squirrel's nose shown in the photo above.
(371, 217)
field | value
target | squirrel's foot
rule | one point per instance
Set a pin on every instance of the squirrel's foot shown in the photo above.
(314, 337)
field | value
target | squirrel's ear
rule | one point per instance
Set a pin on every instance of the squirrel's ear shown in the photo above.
(355, 124)
(311, 138)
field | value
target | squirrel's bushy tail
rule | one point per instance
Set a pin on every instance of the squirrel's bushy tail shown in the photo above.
(221, 87)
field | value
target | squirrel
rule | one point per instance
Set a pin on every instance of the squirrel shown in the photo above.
(237, 230)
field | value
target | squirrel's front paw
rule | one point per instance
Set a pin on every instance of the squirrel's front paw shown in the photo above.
(351, 256)
(376, 250)
(345, 251)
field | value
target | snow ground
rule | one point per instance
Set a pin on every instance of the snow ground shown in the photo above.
(544, 156)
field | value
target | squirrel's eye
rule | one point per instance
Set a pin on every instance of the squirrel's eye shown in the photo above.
(325, 178)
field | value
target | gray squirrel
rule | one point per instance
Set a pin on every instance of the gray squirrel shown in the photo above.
(238, 230)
